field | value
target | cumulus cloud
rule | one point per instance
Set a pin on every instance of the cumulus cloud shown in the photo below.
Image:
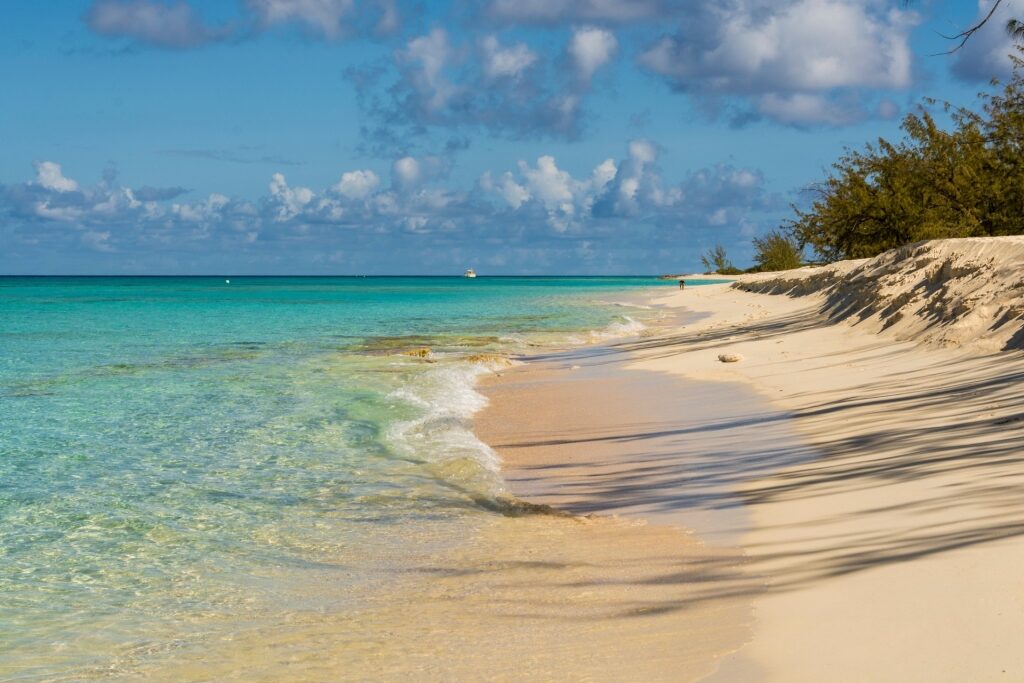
(156, 194)
(636, 184)
(357, 184)
(98, 240)
(514, 194)
(591, 48)
(287, 202)
(505, 61)
(526, 219)
(164, 24)
(409, 172)
(787, 57)
(323, 17)
(210, 209)
(50, 175)
(505, 88)
(176, 23)
(805, 109)
(424, 59)
(630, 189)
(100, 211)
(555, 11)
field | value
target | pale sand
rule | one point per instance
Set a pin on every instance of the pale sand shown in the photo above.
(891, 531)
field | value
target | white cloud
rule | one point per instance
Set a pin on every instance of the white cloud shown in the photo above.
(603, 174)
(98, 240)
(506, 88)
(636, 183)
(389, 20)
(68, 214)
(788, 53)
(804, 109)
(505, 62)
(416, 224)
(551, 11)
(426, 58)
(552, 187)
(541, 214)
(170, 25)
(591, 48)
(406, 172)
(357, 184)
(176, 24)
(514, 194)
(205, 211)
(324, 17)
(564, 199)
(50, 176)
(288, 202)
(409, 172)
(887, 109)
(631, 190)
(643, 151)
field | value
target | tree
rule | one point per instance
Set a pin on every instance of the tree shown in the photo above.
(934, 183)
(715, 261)
(777, 251)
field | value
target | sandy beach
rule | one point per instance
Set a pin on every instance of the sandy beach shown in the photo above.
(862, 463)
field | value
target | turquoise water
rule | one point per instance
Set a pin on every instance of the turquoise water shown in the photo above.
(182, 458)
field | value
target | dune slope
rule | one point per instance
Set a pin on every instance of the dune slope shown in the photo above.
(951, 293)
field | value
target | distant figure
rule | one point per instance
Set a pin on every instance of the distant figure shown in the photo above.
(682, 284)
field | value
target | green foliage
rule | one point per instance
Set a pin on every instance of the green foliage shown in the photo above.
(777, 251)
(715, 261)
(963, 182)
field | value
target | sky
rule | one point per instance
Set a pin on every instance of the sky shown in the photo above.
(390, 137)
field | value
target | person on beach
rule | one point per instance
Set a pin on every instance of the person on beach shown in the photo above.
(682, 284)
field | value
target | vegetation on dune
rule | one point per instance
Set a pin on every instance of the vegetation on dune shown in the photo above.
(963, 180)
(935, 183)
(777, 251)
(716, 261)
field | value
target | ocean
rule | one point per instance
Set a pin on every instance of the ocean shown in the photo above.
(187, 464)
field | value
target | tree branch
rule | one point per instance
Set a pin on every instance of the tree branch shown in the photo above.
(966, 34)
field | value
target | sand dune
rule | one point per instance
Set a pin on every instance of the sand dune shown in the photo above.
(958, 292)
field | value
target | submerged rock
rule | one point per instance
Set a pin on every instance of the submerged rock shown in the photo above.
(491, 359)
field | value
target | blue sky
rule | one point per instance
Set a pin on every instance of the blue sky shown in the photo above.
(381, 136)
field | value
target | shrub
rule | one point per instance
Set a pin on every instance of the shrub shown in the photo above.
(715, 261)
(776, 251)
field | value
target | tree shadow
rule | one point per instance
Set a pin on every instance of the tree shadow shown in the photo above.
(955, 430)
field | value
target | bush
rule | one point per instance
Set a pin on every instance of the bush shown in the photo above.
(715, 261)
(777, 251)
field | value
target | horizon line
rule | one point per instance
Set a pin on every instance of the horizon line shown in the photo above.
(390, 275)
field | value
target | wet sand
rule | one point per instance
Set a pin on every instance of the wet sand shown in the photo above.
(585, 433)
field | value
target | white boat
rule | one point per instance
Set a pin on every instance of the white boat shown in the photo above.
(469, 273)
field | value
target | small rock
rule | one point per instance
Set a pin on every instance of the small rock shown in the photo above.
(730, 357)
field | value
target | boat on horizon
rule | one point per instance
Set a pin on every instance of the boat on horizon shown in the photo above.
(469, 273)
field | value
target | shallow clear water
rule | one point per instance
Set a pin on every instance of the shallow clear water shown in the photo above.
(182, 458)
